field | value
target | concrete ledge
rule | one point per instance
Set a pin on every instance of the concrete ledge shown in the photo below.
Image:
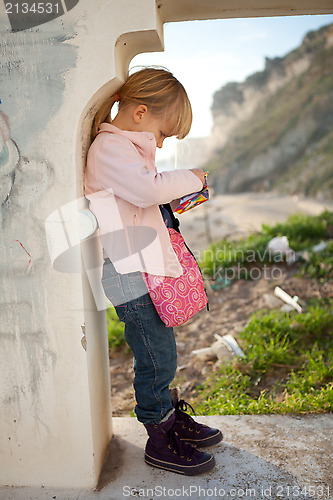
(262, 457)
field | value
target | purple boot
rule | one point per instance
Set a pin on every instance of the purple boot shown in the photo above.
(166, 451)
(188, 429)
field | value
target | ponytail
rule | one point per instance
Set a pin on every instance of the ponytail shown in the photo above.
(102, 115)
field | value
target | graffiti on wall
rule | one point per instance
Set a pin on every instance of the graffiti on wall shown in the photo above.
(29, 14)
(23, 183)
(9, 159)
(33, 69)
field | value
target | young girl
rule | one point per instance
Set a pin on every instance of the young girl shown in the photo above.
(130, 200)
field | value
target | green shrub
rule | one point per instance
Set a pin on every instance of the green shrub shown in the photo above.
(115, 328)
(302, 231)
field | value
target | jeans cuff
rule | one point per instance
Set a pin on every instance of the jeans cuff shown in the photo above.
(167, 416)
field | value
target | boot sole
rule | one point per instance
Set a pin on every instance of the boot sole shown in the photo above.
(203, 443)
(186, 470)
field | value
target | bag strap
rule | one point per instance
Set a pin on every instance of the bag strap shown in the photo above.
(176, 224)
(175, 221)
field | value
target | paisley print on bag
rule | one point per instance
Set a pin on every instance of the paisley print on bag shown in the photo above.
(177, 299)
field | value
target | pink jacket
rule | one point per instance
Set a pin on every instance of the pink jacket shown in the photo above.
(124, 190)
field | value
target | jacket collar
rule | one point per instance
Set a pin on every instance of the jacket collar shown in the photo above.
(139, 139)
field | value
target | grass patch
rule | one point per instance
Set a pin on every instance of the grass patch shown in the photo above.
(303, 232)
(320, 265)
(287, 368)
(115, 328)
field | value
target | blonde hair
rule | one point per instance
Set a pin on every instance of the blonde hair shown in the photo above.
(160, 91)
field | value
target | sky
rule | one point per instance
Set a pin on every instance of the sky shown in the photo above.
(205, 55)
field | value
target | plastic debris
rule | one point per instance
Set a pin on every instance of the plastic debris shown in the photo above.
(304, 254)
(271, 300)
(280, 245)
(223, 348)
(291, 301)
(319, 247)
(231, 343)
(181, 367)
(205, 353)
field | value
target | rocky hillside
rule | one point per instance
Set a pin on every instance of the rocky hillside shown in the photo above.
(274, 131)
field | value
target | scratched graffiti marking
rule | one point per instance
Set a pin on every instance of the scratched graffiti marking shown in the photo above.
(23, 183)
(29, 266)
(9, 159)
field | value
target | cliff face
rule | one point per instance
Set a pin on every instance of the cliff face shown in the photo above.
(275, 130)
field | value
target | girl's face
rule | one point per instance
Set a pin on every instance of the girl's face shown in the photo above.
(148, 122)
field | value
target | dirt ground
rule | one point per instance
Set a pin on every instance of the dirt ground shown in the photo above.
(231, 307)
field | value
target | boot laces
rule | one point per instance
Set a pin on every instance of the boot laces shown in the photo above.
(184, 405)
(181, 408)
(184, 450)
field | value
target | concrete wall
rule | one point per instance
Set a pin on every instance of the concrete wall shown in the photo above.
(55, 396)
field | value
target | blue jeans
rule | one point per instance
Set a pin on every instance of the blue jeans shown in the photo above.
(152, 343)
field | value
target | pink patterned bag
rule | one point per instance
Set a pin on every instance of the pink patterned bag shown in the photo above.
(178, 299)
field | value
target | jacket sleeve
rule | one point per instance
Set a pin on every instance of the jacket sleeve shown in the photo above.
(119, 167)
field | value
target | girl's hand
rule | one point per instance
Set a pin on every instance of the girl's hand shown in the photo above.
(199, 173)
